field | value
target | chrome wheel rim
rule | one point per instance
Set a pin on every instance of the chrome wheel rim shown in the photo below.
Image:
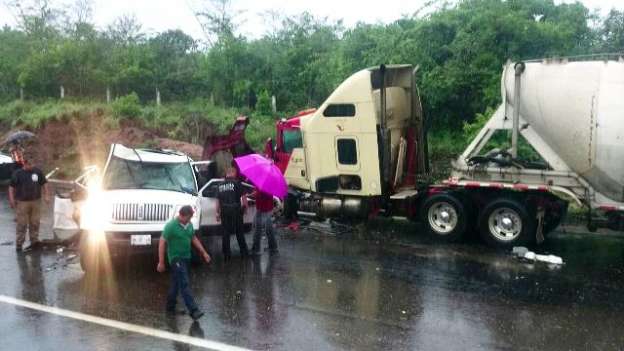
(442, 218)
(505, 224)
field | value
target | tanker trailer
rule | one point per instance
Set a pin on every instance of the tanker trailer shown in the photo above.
(568, 115)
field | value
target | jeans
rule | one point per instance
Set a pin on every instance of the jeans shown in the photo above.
(263, 222)
(180, 283)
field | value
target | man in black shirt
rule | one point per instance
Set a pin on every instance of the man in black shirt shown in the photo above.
(232, 205)
(28, 184)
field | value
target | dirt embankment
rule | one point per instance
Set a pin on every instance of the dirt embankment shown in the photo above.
(72, 143)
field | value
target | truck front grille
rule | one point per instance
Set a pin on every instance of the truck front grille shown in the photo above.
(141, 212)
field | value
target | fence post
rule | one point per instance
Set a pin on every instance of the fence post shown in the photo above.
(21, 93)
(62, 92)
(157, 97)
(274, 104)
(108, 95)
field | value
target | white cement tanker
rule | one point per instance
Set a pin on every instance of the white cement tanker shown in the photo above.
(571, 113)
(578, 110)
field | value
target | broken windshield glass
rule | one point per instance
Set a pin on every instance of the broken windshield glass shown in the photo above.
(126, 174)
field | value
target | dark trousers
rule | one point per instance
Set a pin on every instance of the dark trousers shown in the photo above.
(180, 283)
(232, 223)
(263, 223)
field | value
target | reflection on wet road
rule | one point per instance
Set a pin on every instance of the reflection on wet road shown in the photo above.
(328, 293)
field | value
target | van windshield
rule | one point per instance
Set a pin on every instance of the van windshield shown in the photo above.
(126, 174)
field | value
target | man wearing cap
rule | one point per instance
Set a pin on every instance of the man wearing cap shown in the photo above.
(176, 241)
(28, 185)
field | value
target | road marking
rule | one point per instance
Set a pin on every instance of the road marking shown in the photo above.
(186, 339)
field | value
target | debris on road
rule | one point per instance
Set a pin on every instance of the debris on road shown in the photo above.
(524, 253)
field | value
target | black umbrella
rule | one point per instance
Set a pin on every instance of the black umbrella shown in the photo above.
(18, 136)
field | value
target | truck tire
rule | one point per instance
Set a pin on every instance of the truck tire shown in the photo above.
(444, 215)
(505, 223)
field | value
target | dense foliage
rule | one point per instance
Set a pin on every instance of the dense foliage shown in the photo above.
(460, 49)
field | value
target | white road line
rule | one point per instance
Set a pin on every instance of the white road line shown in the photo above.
(186, 339)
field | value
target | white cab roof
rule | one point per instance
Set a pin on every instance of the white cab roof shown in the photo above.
(147, 155)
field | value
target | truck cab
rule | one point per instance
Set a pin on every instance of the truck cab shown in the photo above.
(362, 145)
(139, 191)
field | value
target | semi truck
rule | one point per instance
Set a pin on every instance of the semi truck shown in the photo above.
(556, 138)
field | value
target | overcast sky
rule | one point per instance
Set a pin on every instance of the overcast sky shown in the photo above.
(160, 15)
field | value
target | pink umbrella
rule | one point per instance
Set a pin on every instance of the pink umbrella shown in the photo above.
(263, 174)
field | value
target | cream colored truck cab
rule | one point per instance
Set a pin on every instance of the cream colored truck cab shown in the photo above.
(362, 143)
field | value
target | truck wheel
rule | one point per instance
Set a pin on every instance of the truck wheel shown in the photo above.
(506, 223)
(445, 217)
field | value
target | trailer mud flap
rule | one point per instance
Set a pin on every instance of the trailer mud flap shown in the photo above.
(539, 231)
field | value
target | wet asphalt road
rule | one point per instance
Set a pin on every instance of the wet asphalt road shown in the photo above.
(331, 293)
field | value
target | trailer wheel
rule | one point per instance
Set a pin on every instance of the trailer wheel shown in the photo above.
(506, 223)
(445, 217)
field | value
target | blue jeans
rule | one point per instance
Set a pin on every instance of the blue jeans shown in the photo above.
(180, 283)
(264, 224)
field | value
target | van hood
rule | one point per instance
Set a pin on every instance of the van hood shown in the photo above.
(150, 196)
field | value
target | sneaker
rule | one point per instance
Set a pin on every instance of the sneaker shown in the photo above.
(197, 314)
(18, 248)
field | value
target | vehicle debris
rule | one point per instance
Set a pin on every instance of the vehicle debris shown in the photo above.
(524, 253)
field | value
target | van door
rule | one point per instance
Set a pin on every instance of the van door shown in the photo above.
(67, 204)
(209, 202)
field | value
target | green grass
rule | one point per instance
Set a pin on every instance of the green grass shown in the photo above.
(32, 114)
(176, 120)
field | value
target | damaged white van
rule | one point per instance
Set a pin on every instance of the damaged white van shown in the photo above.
(124, 211)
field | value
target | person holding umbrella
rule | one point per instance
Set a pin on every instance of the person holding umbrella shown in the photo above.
(269, 182)
(28, 186)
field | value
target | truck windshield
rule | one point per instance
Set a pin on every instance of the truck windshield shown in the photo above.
(126, 174)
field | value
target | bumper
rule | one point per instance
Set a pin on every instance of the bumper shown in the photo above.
(120, 243)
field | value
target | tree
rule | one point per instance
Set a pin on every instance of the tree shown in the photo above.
(612, 32)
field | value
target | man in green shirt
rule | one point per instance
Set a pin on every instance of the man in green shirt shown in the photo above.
(176, 240)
